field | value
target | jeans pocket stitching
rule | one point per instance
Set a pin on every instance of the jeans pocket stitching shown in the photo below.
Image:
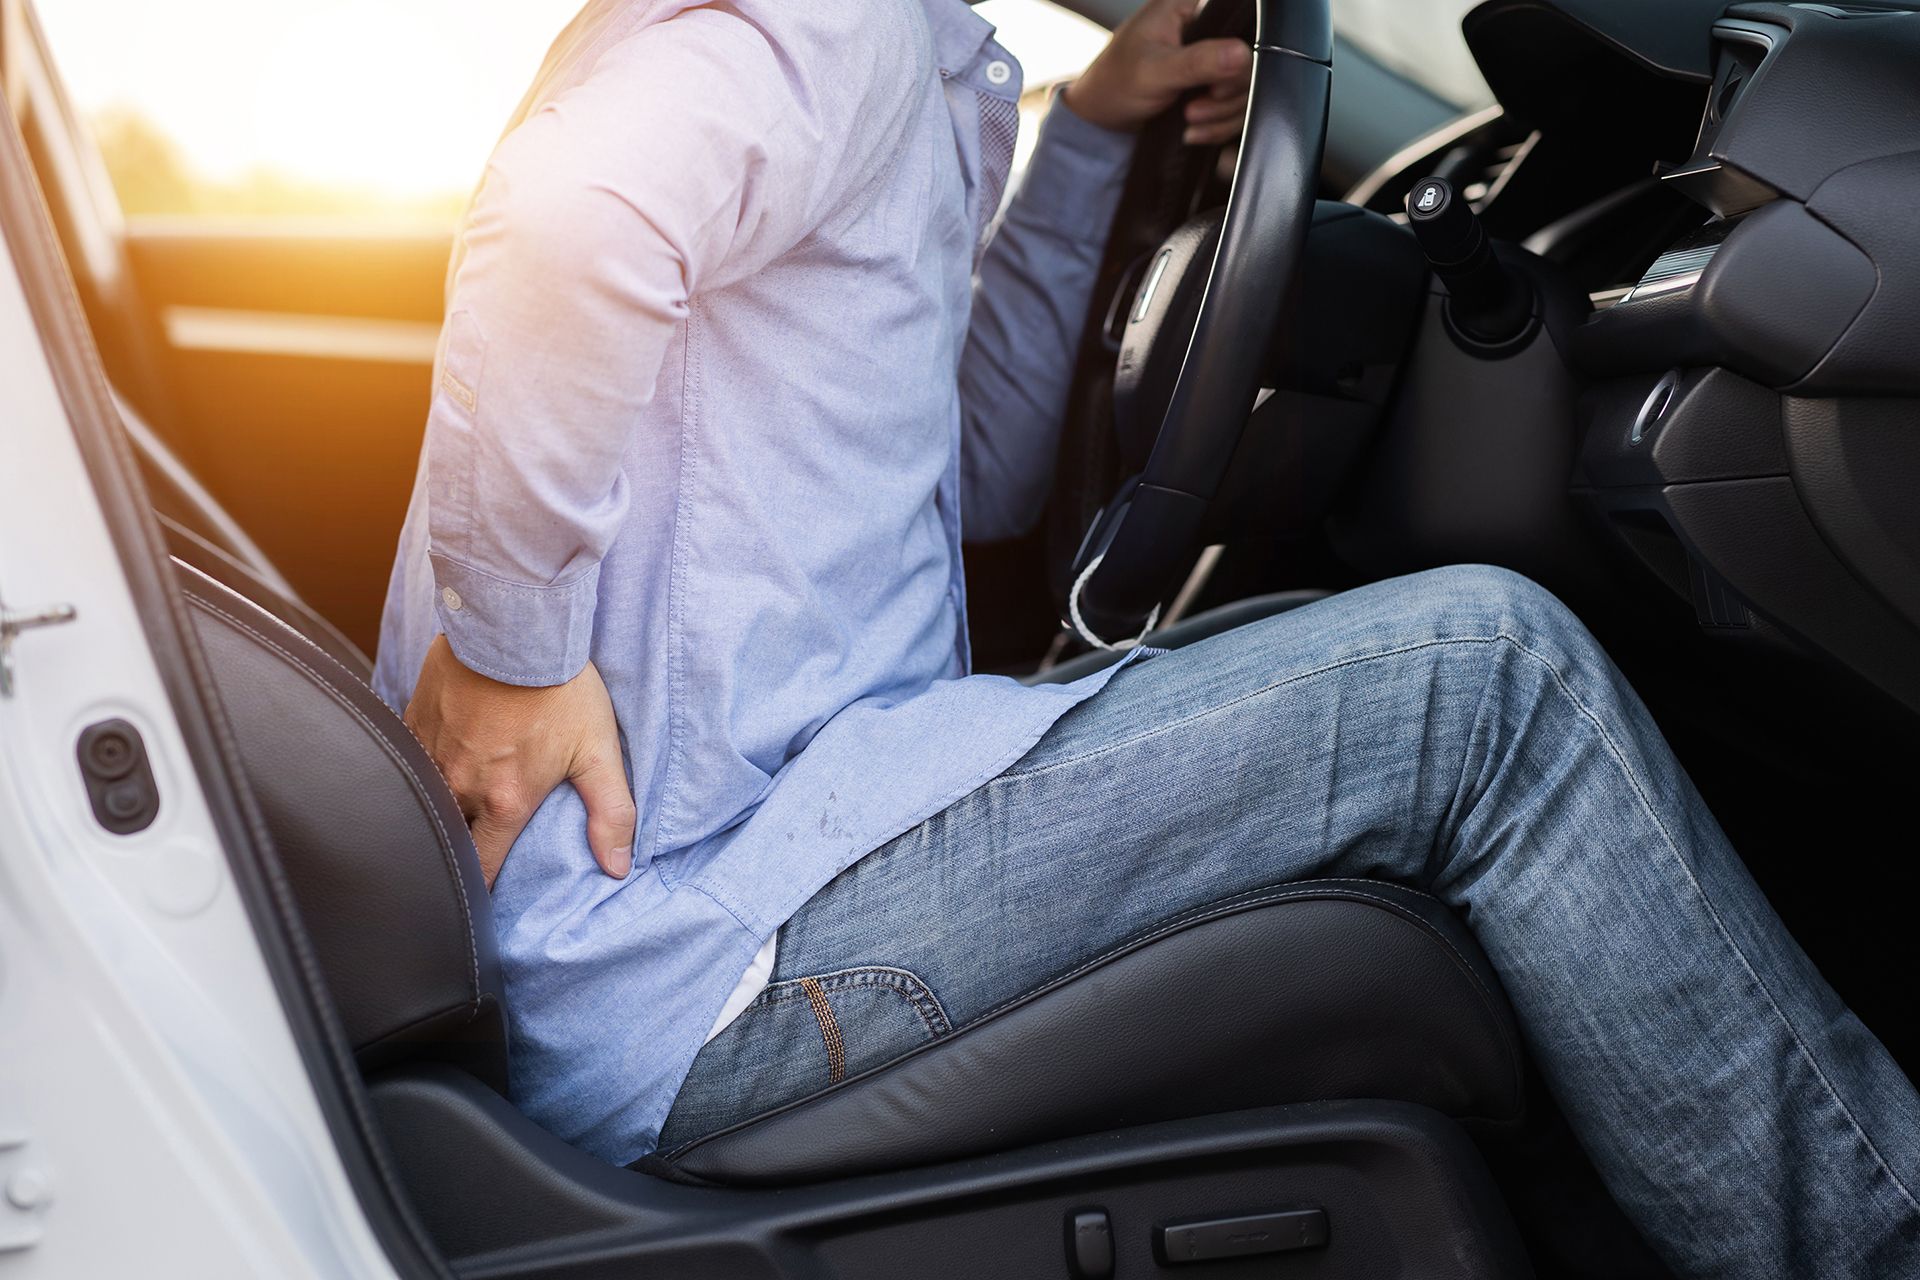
(904, 982)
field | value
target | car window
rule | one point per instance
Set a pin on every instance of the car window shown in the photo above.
(1419, 39)
(351, 108)
(388, 108)
(1053, 46)
(356, 108)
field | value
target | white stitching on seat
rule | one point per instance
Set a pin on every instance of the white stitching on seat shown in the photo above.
(1230, 906)
(1300, 889)
(448, 854)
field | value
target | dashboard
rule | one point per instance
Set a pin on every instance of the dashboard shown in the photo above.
(1753, 428)
(1735, 190)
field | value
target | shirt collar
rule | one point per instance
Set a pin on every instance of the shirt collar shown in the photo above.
(958, 34)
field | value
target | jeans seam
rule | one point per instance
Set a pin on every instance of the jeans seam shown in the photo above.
(1208, 712)
(1706, 903)
(907, 985)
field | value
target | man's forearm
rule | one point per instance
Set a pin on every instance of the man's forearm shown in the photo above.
(1030, 305)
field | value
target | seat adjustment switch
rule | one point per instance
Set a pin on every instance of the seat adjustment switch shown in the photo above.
(1090, 1244)
(1241, 1237)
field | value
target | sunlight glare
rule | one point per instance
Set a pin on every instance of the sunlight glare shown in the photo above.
(382, 98)
(351, 102)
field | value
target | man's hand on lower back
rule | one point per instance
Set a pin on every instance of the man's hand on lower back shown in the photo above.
(1145, 68)
(504, 749)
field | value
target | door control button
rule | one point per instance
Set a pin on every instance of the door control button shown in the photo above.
(1090, 1244)
(1241, 1237)
(119, 778)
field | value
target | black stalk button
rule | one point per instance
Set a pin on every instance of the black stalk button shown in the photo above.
(1491, 304)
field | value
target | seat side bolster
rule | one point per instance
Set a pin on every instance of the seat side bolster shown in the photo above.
(1311, 992)
(370, 837)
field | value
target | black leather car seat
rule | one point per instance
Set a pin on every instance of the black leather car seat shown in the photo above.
(369, 835)
(1330, 990)
(1304, 992)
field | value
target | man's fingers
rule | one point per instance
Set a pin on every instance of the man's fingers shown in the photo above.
(1212, 121)
(601, 780)
(1180, 11)
(1211, 135)
(1233, 86)
(1204, 62)
(493, 835)
(1211, 110)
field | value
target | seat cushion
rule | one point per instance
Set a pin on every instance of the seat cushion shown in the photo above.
(1334, 989)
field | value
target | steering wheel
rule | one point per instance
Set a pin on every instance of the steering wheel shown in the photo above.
(1201, 312)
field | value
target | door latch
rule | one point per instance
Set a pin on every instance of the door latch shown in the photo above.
(13, 624)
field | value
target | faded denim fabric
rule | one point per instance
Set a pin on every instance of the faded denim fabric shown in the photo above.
(1458, 732)
(715, 389)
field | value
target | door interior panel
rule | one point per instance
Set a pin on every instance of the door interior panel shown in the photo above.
(298, 363)
(285, 363)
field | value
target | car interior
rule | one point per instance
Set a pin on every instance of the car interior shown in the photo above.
(1390, 335)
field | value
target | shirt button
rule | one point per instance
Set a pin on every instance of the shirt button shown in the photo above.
(451, 599)
(998, 72)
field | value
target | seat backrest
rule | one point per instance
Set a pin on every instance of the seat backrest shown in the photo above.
(275, 597)
(371, 839)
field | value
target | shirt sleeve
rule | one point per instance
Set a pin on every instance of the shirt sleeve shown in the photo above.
(682, 161)
(1030, 305)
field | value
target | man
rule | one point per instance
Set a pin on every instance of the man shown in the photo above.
(718, 393)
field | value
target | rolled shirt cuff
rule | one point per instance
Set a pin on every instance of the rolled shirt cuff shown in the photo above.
(1074, 180)
(516, 634)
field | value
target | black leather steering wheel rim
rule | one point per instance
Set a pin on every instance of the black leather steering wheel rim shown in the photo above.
(1145, 538)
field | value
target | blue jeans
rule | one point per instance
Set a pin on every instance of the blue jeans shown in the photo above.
(1459, 732)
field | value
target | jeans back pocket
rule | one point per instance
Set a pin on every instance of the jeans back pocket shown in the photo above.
(799, 1037)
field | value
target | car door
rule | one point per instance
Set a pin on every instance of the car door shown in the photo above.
(156, 1111)
(275, 326)
(297, 363)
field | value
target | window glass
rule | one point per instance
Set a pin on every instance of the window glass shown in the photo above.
(330, 107)
(371, 108)
(1053, 45)
(389, 107)
(1421, 40)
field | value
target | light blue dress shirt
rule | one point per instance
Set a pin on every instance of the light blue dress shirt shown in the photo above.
(718, 382)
